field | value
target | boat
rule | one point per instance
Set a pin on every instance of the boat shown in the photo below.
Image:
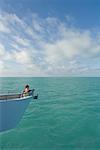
(12, 108)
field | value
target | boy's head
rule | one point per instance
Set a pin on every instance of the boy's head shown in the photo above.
(27, 86)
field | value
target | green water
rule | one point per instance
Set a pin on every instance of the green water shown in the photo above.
(65, 117)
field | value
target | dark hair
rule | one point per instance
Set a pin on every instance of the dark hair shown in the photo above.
(27, 86)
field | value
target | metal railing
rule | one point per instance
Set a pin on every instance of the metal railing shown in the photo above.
(11, 94)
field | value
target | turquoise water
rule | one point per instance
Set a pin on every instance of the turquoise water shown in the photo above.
(66, 115)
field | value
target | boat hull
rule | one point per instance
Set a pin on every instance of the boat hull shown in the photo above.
(11, 112)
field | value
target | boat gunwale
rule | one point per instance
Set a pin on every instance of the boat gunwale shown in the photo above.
(16, 99)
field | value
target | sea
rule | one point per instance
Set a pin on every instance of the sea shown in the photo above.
(66, 115)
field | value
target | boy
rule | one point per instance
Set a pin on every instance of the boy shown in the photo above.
(26, 91)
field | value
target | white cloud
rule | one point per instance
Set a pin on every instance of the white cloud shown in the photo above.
(38, 27)
(1, 66)
(22, 57)
(21, 41)
(4, 28)
(2, 50)
(46, 46)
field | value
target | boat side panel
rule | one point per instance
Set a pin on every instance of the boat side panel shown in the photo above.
(11, 113)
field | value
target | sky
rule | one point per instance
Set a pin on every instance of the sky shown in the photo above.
(49, 38)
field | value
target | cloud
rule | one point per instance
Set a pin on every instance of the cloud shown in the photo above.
(46, 46)
(2, 50)
(4, 28)
(22, 41)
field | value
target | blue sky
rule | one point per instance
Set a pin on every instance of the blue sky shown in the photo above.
(50, 37)
(86, 12)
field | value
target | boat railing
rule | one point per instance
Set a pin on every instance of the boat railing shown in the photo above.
(12, 94)
(9, 92)
(6, 97)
